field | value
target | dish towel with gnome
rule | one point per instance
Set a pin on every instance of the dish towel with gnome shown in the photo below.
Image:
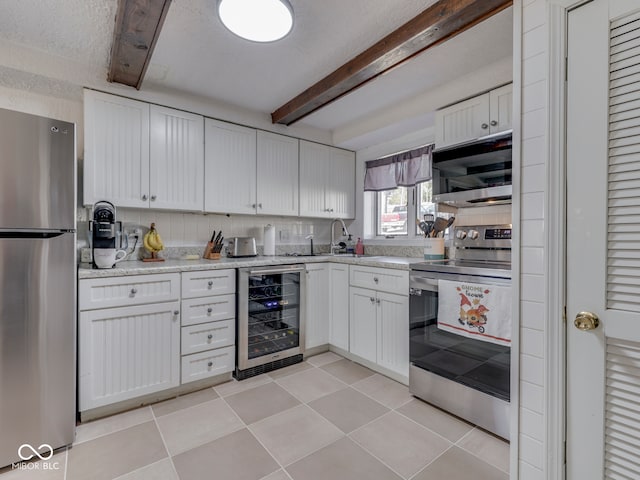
(475, 310)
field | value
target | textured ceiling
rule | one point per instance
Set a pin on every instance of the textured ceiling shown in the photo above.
(196, 55)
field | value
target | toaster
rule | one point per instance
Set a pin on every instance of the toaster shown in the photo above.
(241, 247)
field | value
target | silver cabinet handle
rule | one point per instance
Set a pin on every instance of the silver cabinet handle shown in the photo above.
(484, 126)
(144, 198)
(493, 123)
(378, 301)
(253, 205)
(259, 205)
(209, 310)
(210, 283)
(372, 300)
(153, 198)
(210, 364)
(210, 336)
(134, 291)
(376, 279)
(176, 312)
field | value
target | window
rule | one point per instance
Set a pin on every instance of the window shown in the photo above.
(391, 208)
(423, 194)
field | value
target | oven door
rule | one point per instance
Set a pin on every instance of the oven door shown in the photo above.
(475, 363)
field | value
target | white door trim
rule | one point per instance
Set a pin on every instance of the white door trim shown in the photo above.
(555, 239)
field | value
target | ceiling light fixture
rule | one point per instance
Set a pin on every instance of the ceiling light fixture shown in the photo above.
(257, 20)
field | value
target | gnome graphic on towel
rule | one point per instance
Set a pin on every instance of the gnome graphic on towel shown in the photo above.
(472, 313)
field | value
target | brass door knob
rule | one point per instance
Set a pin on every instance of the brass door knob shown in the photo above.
(586, 321)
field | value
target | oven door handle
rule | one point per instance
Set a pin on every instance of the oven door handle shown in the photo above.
(267, 271)
(428, 284)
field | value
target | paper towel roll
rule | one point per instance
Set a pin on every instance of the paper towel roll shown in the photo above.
(269, 240)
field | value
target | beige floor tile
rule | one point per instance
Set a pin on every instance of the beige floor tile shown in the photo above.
(184, 401)
(347, 371)
(348, 409)
(194, 426)
(237, 456)
(97, 428)
(234, 386)
(295, 433)
(52, 469)
(323, 359)
(261, 402)
(456, 464)
(400, 443)
(162, 470)
(115, 454)
(342, 460)
(386, 391)
(450, 427)
(291, 369)
(279, 475)
(489, 448)
(310, 384)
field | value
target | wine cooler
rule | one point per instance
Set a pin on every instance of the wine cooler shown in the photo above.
(271, 311)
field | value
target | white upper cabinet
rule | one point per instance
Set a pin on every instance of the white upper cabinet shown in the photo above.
(277, 169)
(230, 168)
(176, 176)
(141, 155)
(476, 117)
(327, 181)
(116, 156)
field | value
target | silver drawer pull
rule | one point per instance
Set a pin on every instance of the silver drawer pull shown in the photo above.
(210, 336)
(134, 291)
(210, 364)
(176, 312)
(210, 283)
(376, 279)
(371, 299)
(209, 310)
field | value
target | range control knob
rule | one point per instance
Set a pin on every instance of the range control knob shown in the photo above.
(473, 234)
(461, 234)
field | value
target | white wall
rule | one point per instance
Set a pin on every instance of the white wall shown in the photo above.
(535, 60)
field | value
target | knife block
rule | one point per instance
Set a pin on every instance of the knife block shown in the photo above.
(209, 254)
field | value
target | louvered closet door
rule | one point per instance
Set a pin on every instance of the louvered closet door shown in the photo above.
(603, 241)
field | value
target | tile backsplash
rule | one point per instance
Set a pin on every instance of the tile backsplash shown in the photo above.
(489, 215)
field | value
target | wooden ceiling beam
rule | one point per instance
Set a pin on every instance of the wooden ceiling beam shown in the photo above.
(441, 21)
(137, 28)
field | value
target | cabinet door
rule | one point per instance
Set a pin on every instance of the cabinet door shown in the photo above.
(277, 174)
(230, 168)
(363, 329)
(463, 121)
(127, 352)
(317, 311)
(176, 178)
(339, 306)
(314, 168)
(501, 109)
(393, 332)
(341, 183)
(116, 150)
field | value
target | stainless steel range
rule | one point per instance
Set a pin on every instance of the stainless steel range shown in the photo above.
(460, 321)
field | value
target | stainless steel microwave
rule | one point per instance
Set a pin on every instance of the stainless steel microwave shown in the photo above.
(477, 173)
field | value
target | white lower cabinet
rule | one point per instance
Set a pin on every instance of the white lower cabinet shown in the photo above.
(127, 352)
(339, 305)
(318, 301)
(379, 324)
(208, 324)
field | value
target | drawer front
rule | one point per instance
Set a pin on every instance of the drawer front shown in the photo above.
(208, 364)
(208, 309)
(381, 279)
(208, 282)
(94, 293)
(198, 338)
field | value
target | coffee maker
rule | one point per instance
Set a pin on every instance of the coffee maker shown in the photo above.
(106, 236)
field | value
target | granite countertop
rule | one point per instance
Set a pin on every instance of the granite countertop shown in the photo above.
(170, 266)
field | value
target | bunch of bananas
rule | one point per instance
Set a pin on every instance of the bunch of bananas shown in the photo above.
(152, 241)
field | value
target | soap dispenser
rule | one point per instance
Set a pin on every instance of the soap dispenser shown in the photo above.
(359, 247)
(350, 245)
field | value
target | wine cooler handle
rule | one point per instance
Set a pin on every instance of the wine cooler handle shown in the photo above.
(277, 270)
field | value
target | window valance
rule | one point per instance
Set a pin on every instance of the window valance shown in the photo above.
(404, 169)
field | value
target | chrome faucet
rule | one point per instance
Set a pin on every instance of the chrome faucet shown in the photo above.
(345, 232)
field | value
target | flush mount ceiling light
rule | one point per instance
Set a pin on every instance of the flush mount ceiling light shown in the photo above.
(257, 20)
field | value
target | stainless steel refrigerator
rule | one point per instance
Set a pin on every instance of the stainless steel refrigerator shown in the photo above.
(37, 284)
